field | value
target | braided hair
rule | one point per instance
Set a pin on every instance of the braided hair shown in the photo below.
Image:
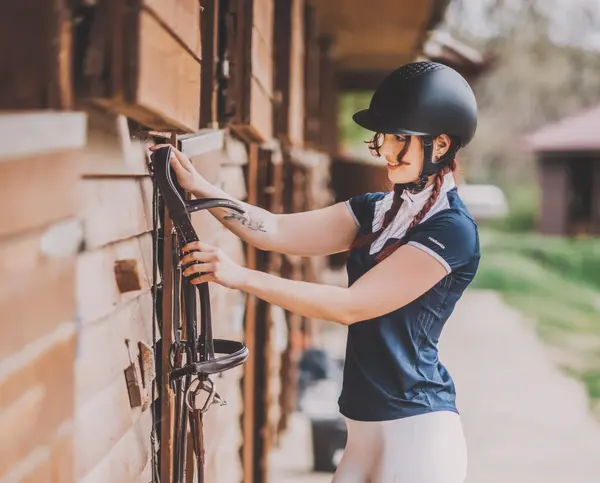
(374, 146)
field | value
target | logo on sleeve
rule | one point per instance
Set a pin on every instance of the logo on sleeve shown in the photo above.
(441, 245)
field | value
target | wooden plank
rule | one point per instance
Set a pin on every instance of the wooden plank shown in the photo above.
(167, 398)
(51, 463)
(52, 282)
(135, 67)
(202, 142)
(262, 337)
(282, 59)
(100, 422)
(311, 76)
(209, 95)
(328, 89)
(250, 88)
(44, 81)
(209, 166)
(249, 335)
(223, 433)
(62, 455)
(110, 151)
(45, 132)
(262, 61)
(35, 400)
(127, 457)
(97, 291)
(235, 152)
(261, 112)
(233, 182)
(297, 63)
(174, 94)
(182, 20)
(263, 17)
(114, 209)
(38, 190)
(103, 352)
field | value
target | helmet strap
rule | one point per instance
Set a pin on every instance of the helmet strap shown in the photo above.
(431, 166)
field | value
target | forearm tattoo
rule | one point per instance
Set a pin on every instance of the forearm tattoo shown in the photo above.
(246, 220)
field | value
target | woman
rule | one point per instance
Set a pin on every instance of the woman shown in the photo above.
(413, 251)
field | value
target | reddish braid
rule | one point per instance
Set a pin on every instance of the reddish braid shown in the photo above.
(435, 193)
(374, 146)
(390, 214)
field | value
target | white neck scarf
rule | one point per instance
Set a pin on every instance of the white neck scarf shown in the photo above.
(411, 206)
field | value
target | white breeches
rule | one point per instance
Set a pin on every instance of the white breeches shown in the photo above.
(427, 448)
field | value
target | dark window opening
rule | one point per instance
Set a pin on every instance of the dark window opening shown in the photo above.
(581, 195)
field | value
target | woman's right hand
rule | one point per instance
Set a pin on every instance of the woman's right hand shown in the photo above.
(187, 176)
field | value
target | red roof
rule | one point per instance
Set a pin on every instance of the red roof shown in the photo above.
(579, 132)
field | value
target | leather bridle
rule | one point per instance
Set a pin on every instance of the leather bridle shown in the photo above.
(192, 354)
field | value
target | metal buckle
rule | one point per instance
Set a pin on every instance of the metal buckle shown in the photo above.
(208, 386)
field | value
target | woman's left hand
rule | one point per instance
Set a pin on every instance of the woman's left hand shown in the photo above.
(214, 264)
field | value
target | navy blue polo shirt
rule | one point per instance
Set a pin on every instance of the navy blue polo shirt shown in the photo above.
(392, 369)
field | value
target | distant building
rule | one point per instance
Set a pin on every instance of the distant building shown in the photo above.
(568, 157)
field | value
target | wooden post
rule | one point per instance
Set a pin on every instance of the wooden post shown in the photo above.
(249, 333)
(311, 78)
(167, 396)
(210, 64)
(328, 94)
(44, 81)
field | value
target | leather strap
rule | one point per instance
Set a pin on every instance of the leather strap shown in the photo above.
(192, 355)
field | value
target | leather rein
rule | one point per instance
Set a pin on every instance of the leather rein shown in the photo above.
(192, 355)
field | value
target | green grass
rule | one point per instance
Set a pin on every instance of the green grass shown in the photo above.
(556, 283)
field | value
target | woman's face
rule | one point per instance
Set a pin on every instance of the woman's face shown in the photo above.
(408, 169)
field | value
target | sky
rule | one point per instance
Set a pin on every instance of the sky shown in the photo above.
(575, 22)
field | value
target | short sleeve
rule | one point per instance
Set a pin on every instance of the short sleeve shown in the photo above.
(362, 207)
(451, 239)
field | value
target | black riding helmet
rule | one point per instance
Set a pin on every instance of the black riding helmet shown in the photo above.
(424, 99)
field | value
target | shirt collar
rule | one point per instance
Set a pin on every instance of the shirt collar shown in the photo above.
(417, 200)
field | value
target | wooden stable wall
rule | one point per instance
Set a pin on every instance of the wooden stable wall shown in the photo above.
(251, 83)
(114, 301)
(39, 237)
(142, 59)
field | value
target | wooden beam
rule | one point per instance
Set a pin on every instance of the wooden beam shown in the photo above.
(128, 45)
(281, 53)
(289, 71)
(311, 77)
(46, 132)
(201, 142)
(248, 380)
(182, 19)
(167, 412)
(262, 339)
(328, 97)
(38, 190)
(39, 31)
(209, 95)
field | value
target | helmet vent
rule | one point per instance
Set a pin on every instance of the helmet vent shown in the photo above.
(417, 69)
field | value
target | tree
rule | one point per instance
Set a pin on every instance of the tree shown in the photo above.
(547, 68)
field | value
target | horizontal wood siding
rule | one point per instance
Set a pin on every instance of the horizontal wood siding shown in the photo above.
(37, 303)
(112, 439)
